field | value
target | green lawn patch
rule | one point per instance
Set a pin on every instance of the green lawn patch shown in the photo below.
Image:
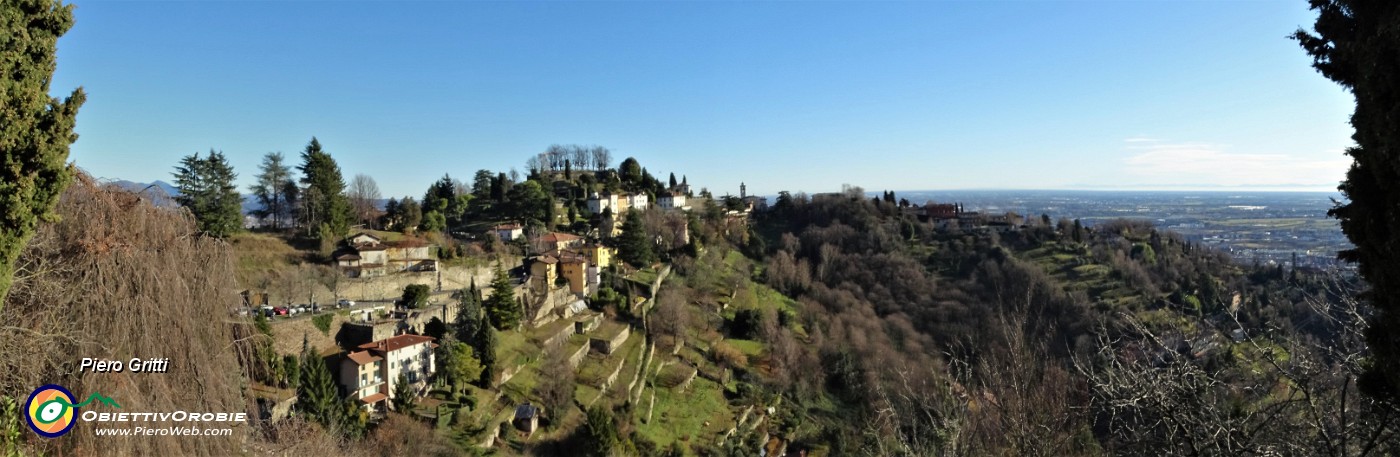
(750, 348)
(682, 415)
(521, 386)
(539, 335)
(645, 276)
(514, 348)
(594, 370)
(673, 375)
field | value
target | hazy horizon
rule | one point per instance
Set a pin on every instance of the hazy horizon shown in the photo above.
(1043, 95)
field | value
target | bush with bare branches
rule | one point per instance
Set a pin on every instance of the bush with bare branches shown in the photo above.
(118, 278)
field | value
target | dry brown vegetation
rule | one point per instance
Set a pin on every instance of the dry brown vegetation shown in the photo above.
(118, 278)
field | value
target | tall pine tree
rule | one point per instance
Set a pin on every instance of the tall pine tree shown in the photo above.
(1356, 44)
(634, 246)
(316, 395)
(207, 189)
(35, 129)
(503, 310)
(275, 190)
(324, 200)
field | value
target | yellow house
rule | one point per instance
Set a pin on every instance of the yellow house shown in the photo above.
(597, 254)
(574, 268)
(542, 272)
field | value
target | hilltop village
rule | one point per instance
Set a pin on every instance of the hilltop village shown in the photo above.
(500, 311)
(492, 309)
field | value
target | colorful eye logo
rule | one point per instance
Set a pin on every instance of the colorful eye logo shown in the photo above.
(50, 411)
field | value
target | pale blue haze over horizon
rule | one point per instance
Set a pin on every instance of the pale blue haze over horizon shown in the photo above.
(781, 95)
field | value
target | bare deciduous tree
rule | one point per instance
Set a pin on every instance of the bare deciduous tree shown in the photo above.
(671, 317)
(364, 199)
(580, 156)
(1272, 394)
(556, 387)
(602, 157)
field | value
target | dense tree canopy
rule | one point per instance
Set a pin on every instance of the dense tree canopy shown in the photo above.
(207, 190)
(458, 362)
(317, 395)
(35, 129)
(415, 296)
(1357, 44)
(324, 200)
(501, 307)
(634, 244)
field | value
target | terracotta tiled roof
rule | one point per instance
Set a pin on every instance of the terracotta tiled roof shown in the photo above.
(554, 256)
(374, 398)
(395, 343)
(507, 227)
(363, 357)
(556, 237)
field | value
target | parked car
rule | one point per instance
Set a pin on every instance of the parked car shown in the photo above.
(281, 311)
(343, 303)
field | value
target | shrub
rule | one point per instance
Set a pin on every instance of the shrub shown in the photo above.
(323, 323)
(729, 356)
(415, 296)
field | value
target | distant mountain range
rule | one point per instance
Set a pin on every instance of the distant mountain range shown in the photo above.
(165, 189)
(250, 203)
(142, 186)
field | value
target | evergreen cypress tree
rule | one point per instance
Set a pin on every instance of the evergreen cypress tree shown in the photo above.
(468, 315)
(35, 129)
(1355, 44)
(503, 310)
(317, 396)
(405, 399)
(486, 352)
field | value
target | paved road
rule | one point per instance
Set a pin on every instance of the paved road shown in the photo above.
(434, 298)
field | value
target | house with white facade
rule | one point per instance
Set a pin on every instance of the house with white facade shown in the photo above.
(672, 200)
(619, 203)
(365, 255)
(508, 232)
(637, 201)
(601, 201)
(369, 374)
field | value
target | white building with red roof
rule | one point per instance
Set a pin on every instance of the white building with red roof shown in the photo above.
(368, 374)
(508, 232)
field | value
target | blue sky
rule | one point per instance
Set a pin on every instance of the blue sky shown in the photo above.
(781, 95)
